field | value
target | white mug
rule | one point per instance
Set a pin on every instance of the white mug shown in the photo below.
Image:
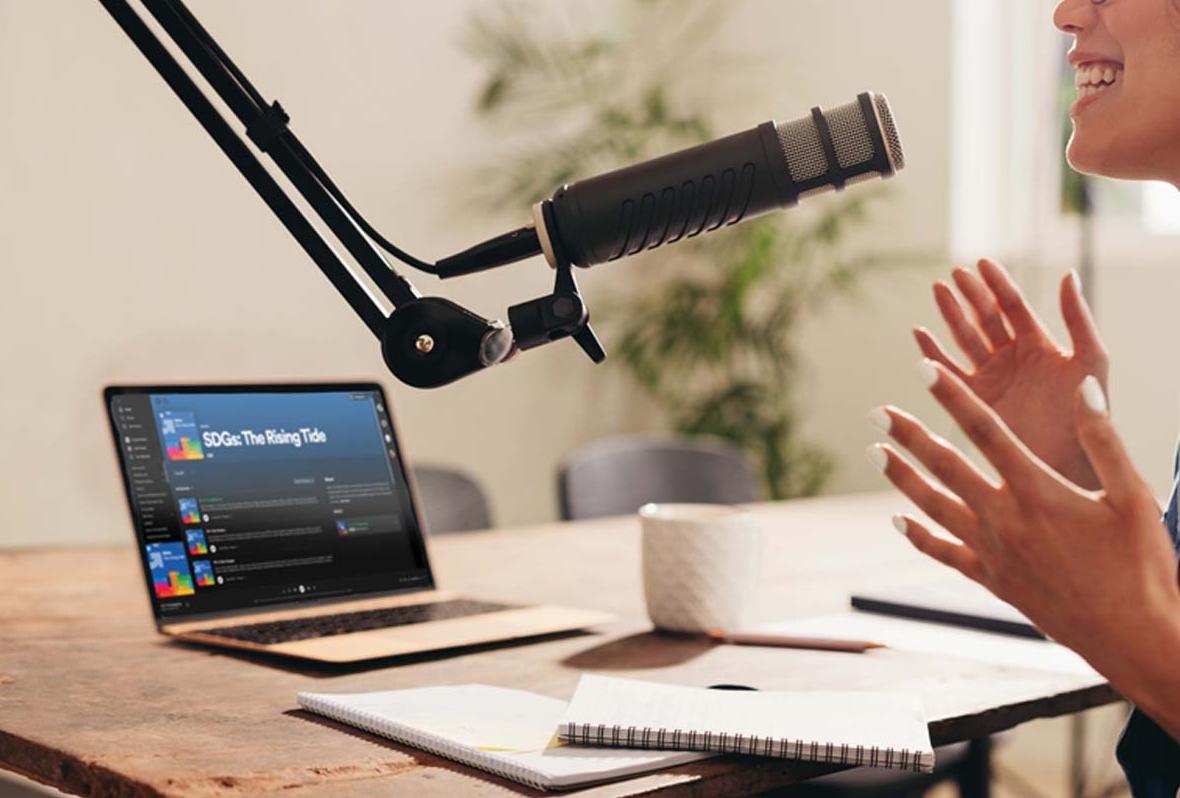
(700, 565)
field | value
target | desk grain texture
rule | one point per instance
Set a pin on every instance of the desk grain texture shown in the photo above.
(92, 701)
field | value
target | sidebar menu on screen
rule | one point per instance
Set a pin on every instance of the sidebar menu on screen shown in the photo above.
(139, 446)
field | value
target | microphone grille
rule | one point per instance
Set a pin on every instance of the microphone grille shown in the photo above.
(889, 132)
(805, 155)
(852, 141)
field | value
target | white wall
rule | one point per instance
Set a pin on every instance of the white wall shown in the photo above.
(132, 251)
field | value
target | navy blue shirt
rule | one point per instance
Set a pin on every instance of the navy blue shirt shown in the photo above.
(1148, 754)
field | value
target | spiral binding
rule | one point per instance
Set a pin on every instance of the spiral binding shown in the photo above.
(602, 735)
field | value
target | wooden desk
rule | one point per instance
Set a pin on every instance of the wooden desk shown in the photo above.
(93, 701)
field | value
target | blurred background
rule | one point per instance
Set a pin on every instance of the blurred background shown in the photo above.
(133, 252)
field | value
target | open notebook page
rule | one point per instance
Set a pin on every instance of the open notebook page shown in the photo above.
(511, 733)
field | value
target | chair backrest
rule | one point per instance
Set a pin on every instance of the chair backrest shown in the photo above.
(451, 500)
(619, 475)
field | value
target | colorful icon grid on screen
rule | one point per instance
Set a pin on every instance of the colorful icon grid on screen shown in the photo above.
(181, 438)
(204, 571)
(196, 542)
(169, 570)
(190, 512)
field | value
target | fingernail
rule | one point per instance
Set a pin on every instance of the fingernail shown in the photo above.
(878, 457)
(880, 419)
(1093, 395)
(927, 372)
(900, 524)
(1076, 280)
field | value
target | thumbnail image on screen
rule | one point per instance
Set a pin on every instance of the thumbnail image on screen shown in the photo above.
(190, 511)
(204, 571)
(178, 433)
(197, 545)
(169, 567)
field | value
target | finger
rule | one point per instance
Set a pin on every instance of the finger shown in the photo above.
(984, 428)
(955, 555)
(947, 464)
(1011, 300)
(932, 349)
(984, 304)
(946, 510)
(964, 332)
(1083, 331)
(1103, 446)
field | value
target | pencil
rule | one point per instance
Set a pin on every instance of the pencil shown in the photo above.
(785, 641)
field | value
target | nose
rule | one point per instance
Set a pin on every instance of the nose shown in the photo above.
(1074, 16)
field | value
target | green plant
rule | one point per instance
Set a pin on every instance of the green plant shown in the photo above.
(714, 342)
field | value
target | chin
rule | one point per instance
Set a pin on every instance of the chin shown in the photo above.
(1090, 157)
(1123, 152)
(1083, 157)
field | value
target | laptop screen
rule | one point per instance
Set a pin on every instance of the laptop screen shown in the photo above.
(253, 497)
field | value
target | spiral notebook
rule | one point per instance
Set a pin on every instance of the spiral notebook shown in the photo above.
(511, 733)
(878, 729)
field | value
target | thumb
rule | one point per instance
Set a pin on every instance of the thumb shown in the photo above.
(1102, 444)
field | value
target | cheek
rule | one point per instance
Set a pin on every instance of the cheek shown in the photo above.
(1148, 113)
(1137, 136)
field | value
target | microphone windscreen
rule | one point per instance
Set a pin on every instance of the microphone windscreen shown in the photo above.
(854, 141)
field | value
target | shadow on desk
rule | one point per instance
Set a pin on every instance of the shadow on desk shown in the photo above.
(327, 670)
(640, 652)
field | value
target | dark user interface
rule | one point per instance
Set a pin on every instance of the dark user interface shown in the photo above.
(251, 499)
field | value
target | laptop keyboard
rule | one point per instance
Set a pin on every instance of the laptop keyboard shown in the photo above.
(328, 625)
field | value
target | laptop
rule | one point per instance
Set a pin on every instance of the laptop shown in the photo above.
(283, 519)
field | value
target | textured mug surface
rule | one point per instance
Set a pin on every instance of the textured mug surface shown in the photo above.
(700, 565)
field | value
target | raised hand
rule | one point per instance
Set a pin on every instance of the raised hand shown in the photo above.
(1094, 569)
(1016, 367)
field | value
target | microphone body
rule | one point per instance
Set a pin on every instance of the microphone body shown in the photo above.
(702, 188)
(676, 196)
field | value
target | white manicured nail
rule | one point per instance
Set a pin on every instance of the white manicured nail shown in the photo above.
(900, 524)
(1076, 280)
(880, 419)
(1093, 395)
(877, 456)
(927, 372)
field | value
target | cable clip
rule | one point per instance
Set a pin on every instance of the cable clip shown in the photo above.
(268, 127)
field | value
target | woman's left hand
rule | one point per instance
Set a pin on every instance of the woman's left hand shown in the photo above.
(1094, 570)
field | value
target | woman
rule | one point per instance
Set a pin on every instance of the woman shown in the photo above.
(1070, 534)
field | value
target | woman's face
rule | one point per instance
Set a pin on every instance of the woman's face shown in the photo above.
(1126, 57)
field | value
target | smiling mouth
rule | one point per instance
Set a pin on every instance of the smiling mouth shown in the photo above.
(1096, 77)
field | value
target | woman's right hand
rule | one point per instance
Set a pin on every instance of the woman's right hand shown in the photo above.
(1017, 367)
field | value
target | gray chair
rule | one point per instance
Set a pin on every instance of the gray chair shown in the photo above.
(452, 501)
(617, 476)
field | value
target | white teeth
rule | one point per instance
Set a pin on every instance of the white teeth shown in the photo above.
(1091, 79)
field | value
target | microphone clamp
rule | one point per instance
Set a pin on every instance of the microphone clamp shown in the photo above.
(430, 341)
(561, 314)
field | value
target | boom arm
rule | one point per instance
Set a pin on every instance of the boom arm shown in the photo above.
(426, 341)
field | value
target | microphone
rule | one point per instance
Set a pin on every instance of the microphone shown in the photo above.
(700, 189)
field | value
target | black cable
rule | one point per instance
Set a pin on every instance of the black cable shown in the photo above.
(310, 162)
(296, 147)
(205, 38)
